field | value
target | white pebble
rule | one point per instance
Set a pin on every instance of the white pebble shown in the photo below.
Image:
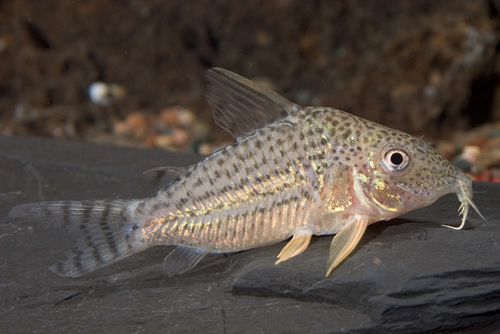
(104, 94)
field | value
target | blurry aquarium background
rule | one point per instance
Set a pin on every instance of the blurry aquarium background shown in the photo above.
(132, 72)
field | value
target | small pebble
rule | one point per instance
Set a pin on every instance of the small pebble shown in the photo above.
(185, 118)
(201, 131)
(471, 153)
(121, 129)
(377, 261)
(104, 94)
(461, 163)
(169, 116)
(164, 141)
(138, 124)
(99, 93)
(205, 149)
(180, 137)
(495, 174)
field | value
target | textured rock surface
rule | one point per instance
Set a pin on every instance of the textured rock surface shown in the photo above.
(408, 275)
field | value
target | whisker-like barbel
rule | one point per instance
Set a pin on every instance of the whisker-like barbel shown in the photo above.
(464, 195)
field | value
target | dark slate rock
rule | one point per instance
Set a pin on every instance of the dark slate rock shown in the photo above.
(408, 275)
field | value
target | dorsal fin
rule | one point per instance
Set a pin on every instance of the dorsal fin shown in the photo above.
(240, 106)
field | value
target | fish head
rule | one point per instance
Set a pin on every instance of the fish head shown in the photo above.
(406, 174)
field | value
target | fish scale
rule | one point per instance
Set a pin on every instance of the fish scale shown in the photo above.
(291, 172)
(252, 206)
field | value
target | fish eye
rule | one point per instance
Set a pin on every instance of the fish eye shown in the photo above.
(395, 160)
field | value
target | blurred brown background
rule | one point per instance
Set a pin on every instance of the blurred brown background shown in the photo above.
(426, 67)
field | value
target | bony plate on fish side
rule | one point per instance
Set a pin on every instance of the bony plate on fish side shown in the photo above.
(291, 172)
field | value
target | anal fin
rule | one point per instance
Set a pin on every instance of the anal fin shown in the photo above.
(345, 241)
(297, 245)
(182, 259)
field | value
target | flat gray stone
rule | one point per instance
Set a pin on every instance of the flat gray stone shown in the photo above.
(408, 275)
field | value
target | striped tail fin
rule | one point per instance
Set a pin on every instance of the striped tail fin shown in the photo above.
(106, 231)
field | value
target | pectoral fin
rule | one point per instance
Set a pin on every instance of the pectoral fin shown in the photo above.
(297, 245)
(182, 259)
(345, 241)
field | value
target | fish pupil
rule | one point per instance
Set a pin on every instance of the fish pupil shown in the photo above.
(397, 158)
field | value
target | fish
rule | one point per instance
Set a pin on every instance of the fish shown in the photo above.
(291, 172)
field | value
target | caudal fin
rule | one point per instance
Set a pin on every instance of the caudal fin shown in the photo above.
(106, 231)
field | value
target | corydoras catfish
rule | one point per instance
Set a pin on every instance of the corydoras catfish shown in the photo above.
(291, 172)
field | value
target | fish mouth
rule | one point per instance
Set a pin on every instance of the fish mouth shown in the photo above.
(464, 194)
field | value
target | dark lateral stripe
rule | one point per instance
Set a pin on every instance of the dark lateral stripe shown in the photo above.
(105, 213)
(77, 262)
(103, 221)
(111, 243)
(105, 227)
(122, 214)
(97, 254)
(87, 211)
(95, 250)
(66, 213)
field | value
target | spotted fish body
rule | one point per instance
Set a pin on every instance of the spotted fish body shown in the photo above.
(291, 172)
